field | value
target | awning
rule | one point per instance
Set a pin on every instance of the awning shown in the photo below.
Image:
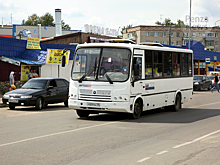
(17, 61)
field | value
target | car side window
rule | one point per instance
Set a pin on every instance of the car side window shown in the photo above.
(61, 83)
(53, 83)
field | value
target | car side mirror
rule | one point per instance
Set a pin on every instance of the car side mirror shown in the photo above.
(50, 87)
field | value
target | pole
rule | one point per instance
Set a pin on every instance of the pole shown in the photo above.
(189, 23)
(169, 35)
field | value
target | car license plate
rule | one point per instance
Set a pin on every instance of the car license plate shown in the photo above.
(93, 104)
(13, 101)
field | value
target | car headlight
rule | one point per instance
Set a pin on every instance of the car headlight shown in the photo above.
(196, 83)
(26, 96)
(5, 96)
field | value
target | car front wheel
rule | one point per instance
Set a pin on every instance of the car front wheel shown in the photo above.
(12, 106)
(39, 104)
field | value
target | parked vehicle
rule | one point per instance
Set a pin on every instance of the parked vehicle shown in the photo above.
(201, 82)
(212, 78)
(39, 92)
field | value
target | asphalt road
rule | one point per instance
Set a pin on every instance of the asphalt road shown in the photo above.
(55, 135)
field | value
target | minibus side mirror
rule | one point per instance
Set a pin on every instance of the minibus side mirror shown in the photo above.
(63, 61)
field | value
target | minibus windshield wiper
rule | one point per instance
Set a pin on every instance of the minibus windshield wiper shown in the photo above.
(109, 79)
(90, 72)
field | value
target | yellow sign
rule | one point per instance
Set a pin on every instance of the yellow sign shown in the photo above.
(24, 72)
(54, 56)
(33, 43)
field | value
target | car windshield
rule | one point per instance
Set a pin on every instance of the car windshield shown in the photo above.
(211, 77)
(197, 78)
(101, 64)
(35, 84)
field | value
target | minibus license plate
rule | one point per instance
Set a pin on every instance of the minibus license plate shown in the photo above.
(93, 104)
(13, 101)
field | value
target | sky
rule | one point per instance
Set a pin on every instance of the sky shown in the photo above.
(113, 14)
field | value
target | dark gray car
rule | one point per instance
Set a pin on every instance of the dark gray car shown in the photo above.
(38, 92)
(201, 82)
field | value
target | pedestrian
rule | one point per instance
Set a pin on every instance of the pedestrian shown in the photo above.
(216, 79)
(35, 74)
(12, 78)
(30, 74)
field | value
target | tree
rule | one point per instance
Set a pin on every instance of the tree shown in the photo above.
(167, 22)
(32, 20)
(128, 26)
(65, 26)
(45, 20)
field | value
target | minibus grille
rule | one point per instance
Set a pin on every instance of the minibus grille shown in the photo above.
(95, 95)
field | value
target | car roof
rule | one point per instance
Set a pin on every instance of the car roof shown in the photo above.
(47, 78)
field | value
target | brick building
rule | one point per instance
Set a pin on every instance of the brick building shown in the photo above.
(77, 38)
(208, 36)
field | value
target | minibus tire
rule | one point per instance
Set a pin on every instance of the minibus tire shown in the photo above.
(137, 110)
(177, 105)
(82, 113)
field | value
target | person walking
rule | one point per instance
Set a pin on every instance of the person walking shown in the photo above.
(12, 78)
(216, 79)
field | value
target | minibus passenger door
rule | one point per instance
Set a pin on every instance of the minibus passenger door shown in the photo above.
(136, 76)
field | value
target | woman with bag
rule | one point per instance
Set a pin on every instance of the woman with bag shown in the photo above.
(215, 83)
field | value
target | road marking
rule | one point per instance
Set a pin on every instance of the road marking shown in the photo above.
(198, 139)
(205, 105)
(58, 133)
(142, 160)
(163, 152)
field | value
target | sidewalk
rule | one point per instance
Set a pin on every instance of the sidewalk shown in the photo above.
(1, 103)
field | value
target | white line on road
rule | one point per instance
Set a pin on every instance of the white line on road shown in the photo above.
(163, 152)
(142, 160)
(195, 140)
(58, 133)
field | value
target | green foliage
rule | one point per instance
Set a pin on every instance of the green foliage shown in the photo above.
(45, 20)
(167, 22)
(128, 26)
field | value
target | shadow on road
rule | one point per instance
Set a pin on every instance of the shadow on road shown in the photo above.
(185, 115)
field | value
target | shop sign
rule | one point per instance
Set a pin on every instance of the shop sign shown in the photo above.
(33, 43)
(100, 30)
(54, 56)
(25, 69)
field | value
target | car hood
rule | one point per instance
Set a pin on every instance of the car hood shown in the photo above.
(24, 91)
(196, 81)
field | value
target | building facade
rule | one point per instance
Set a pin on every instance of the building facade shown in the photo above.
(175, 36)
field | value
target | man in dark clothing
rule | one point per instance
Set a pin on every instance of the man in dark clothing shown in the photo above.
(216, 82)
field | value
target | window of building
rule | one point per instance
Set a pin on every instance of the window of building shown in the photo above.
(193, 34)
(178, 43)
(172, 42)
(186, 34)
(176, 64)
(200, 34)
(171, 34)
(147, 33)
(167, 64)
(148, 64)
(178, 34)
(164, 34)
(184, 42)
(164, 42)
(156, 34)
(158, 64)
(210, 34)
(156, 41)
(216, 34)
(148, 41)
(216, 43)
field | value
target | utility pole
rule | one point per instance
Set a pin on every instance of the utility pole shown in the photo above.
(11, 18)
(2, 22)
(189, 23)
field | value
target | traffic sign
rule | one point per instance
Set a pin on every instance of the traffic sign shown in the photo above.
(207, 60)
